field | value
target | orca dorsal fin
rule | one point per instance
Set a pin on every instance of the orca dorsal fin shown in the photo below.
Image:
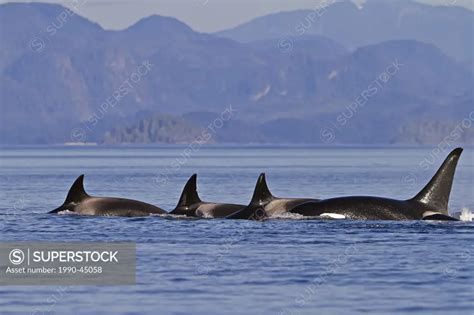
(189, 196)
(77, 193)
(261, 194)
(436, 193)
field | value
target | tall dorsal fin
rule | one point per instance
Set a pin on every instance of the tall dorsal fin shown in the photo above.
(77, 193)
(261, 194)
(189, 196)
(436, 193)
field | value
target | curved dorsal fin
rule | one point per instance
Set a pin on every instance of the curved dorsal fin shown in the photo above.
(436, 193)
(189, 196)
(261, 193)
(77, 193)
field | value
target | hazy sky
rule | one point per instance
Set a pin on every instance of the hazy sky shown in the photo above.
(201, 15)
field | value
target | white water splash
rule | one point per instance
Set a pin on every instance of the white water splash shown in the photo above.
(466, 215)
(173, 216)
(205, 215)
(288, 216)
(67, 212)
(333, 216)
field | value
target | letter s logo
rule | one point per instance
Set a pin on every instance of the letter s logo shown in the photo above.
(16, 256)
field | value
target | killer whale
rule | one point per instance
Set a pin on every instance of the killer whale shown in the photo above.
(264, 204)
(80, 202)
(191, 205)
(431, 203)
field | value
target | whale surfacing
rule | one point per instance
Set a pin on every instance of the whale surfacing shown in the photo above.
(264, 204)
(78, 201)
(191, 205)
(431, 203)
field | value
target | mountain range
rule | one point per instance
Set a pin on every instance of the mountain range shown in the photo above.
(448, 27)
(391, 72)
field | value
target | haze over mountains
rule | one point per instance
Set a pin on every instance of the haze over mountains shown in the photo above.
(450, 28)
(388, 73)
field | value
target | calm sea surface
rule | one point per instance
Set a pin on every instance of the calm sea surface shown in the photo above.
(283, 266)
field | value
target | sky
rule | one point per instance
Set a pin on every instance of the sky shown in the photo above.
(201, 15)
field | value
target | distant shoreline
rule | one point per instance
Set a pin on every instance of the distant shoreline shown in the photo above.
(229, 145)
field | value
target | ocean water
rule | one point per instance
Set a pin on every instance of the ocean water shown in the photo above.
(281, 266)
